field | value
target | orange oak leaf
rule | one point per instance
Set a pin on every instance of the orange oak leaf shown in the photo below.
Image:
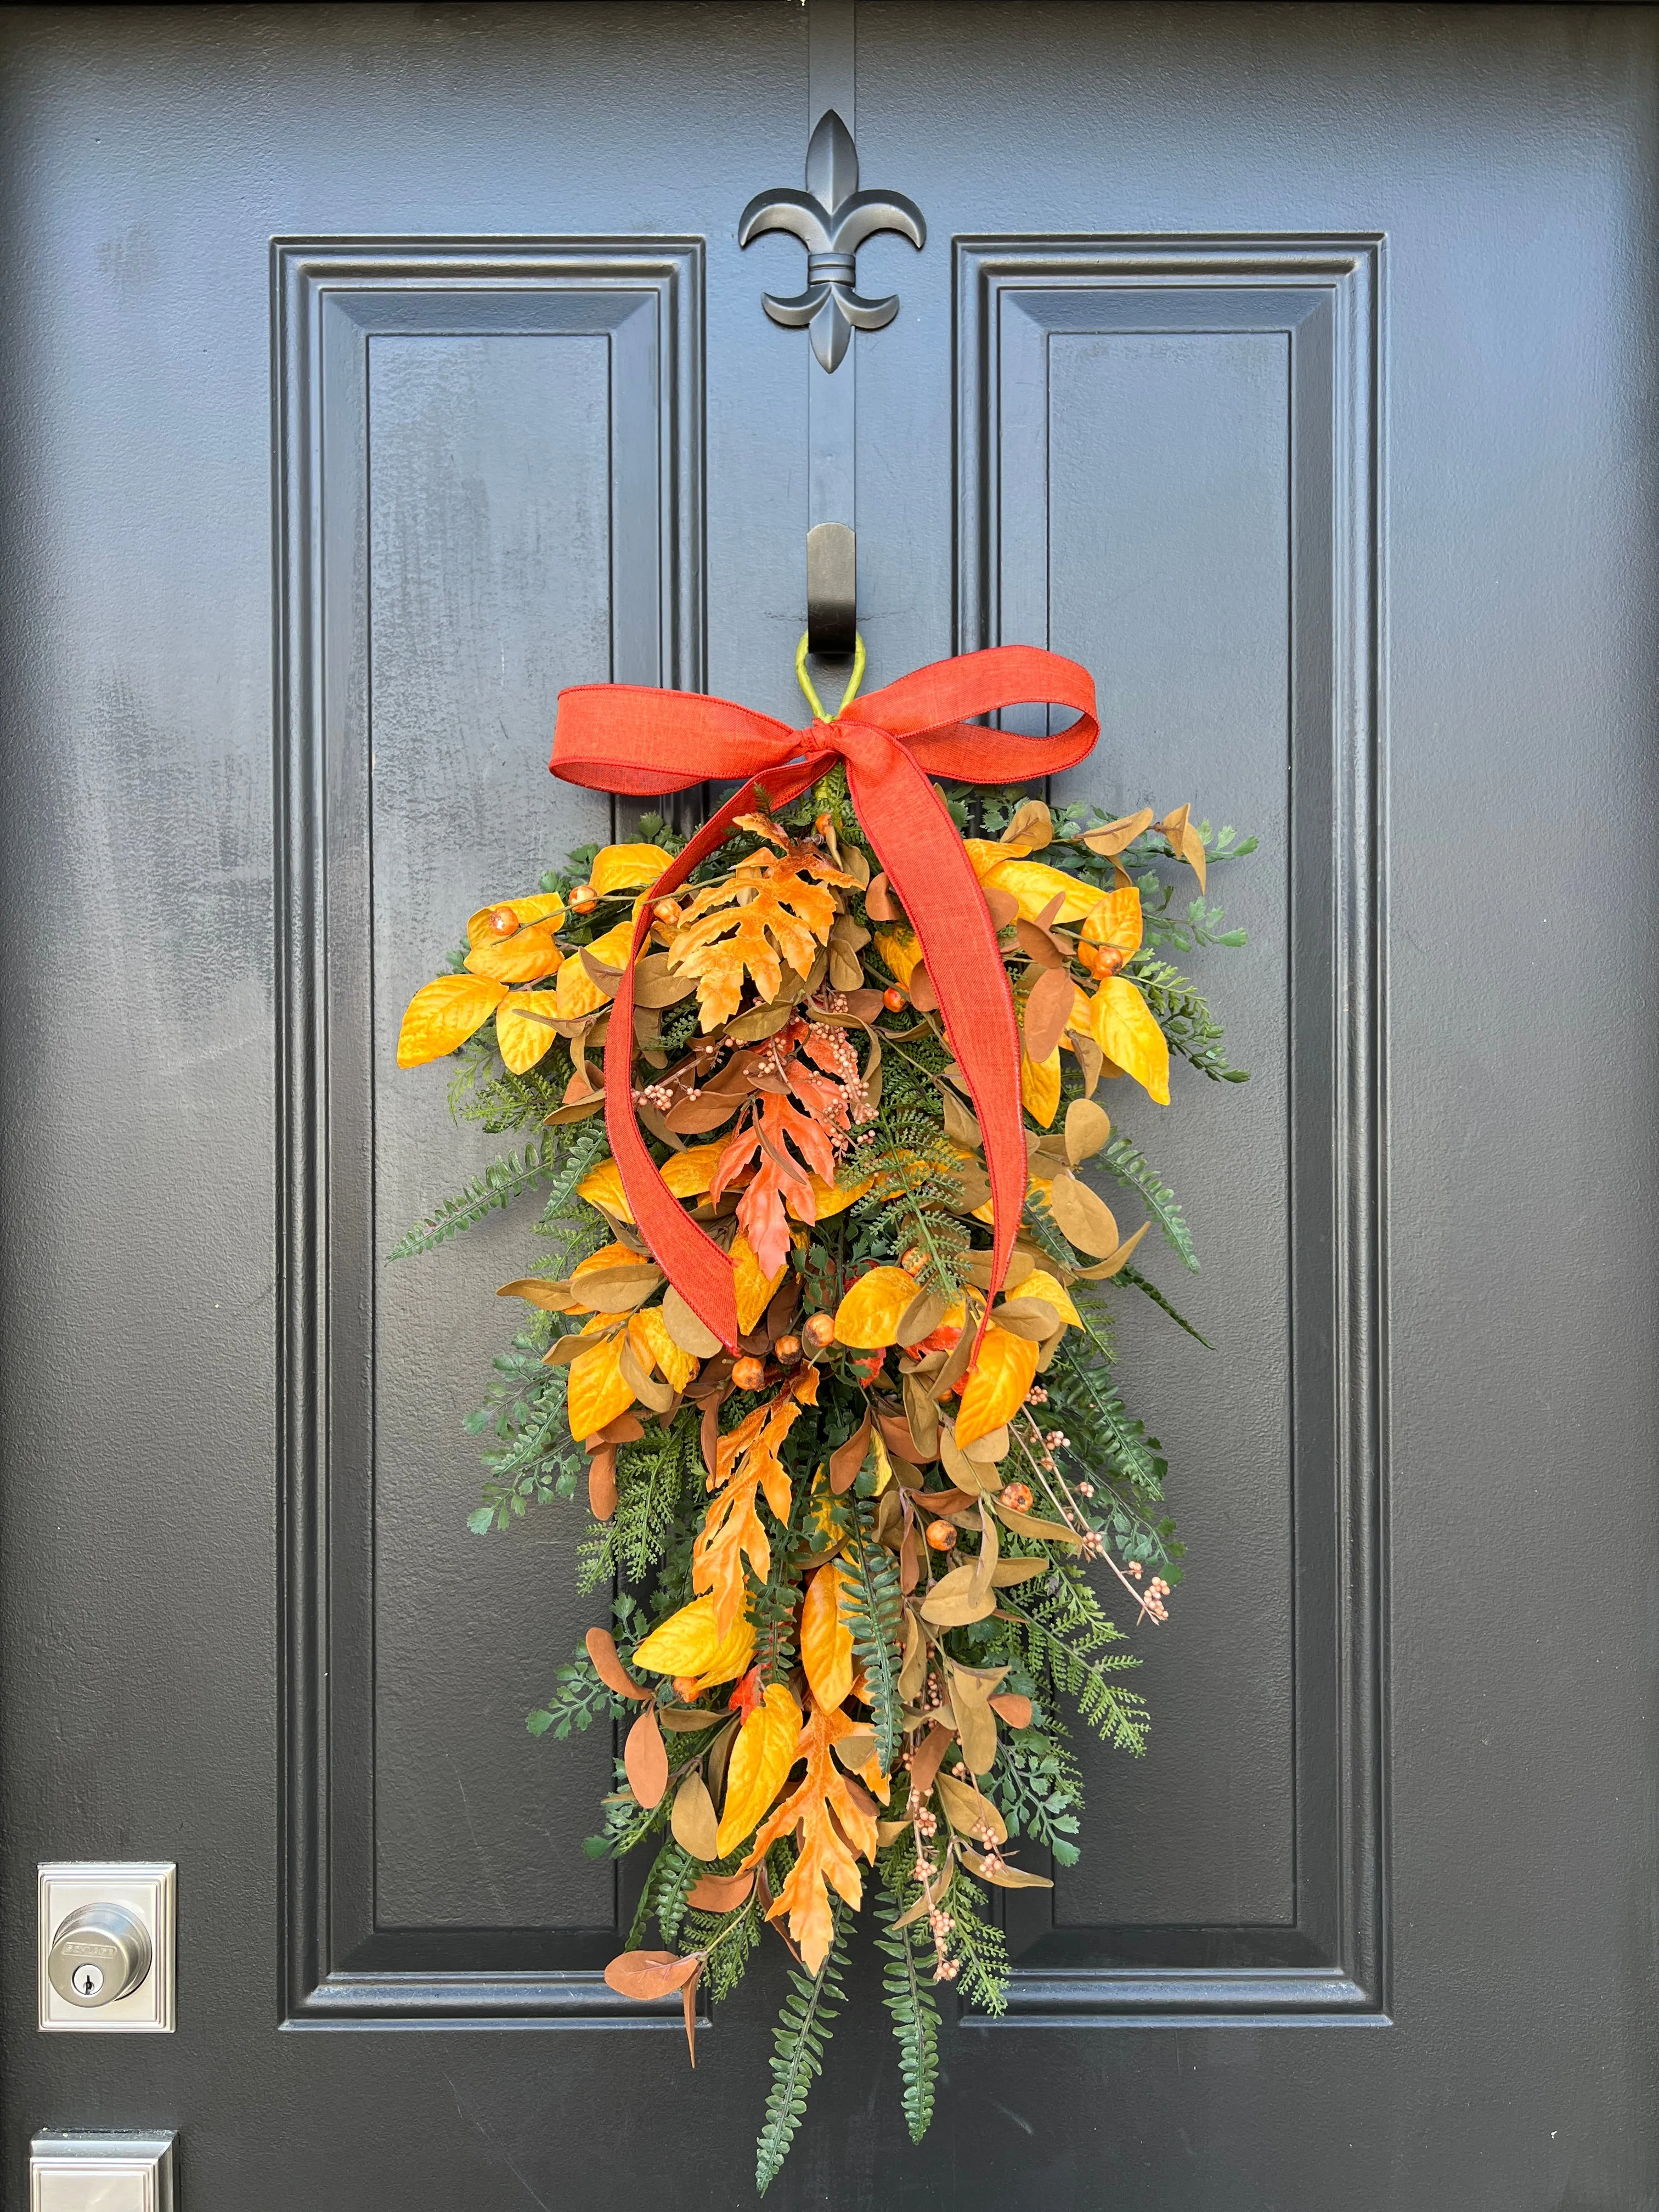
(834, 1828)
(765, 913)
(744, 1461)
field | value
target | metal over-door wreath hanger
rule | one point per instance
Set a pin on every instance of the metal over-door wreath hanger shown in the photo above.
(832, 218)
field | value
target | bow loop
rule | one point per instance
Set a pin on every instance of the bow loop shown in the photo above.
(629, 739)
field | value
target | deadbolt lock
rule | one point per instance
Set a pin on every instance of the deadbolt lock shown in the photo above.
(101, 1953)
(107, 1947)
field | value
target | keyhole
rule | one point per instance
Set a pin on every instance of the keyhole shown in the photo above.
(88, 1980)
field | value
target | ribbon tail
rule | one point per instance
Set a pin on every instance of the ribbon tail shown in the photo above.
(918, 846)
(693, 1262)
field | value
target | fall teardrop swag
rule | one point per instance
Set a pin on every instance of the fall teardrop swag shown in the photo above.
(860, 1472)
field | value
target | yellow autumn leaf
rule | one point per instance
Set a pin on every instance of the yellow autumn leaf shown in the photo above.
(751, 1289)
(522, 1039)
(1115, 924)
(1039, 1284)
(761, 1760)
(987, 853)
(626, 867)
(525, 958)
(651, 1342)
(1034, 883)
(598, 1391)
(443, 1015)
(689, 1173)
(602, 1187)
(826, 1640)
(1039, 1087)
(997, 1383)
(899, 949)
(831, 1199)
(578, 994)
(689, 1643)
(1127, 1033)
(867, 1318)
(542, 906)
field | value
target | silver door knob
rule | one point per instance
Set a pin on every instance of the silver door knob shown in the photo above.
(100, 1953)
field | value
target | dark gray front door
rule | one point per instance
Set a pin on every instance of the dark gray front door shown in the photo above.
(374, 372)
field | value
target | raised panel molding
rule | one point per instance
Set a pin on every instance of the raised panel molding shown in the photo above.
(644, 298)
(1324, 297)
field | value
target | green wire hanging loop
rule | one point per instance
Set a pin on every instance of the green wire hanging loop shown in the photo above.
(852, 681)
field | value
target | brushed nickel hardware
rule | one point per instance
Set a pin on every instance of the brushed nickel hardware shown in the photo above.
(106, 1942)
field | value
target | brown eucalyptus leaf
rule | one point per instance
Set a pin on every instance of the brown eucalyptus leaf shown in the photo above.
(1011, 1706)
(1003, 1876)
(1184, 841)
(618, 1289)
(684, 1328)
(984, 1565)
(656, 984)
(855, 862)
(626, 1429)
(1044, 947)
(692, 1822)
(955, 1364)
(845, 972)
(967, 1809)
(920, 1317)
(1114, 837)
(986, 1451)
(926, 1759)
(1047, 1011)
(686, 1720)
(659, 1397)
(561, 1117)
(719, 1753)
(1031, 1524)
(923, 1904)
(878, 901)
(695, 1117)
(855, 1752)
(953, 1603)
(721, 1893)
(762, 1021)
(847, 1459)
(552, 1297)
(1113, 1261)
(973, 1188)
(689, 2004)
(1034, 1319)
(960, 1126)
(647, 1974)
(965, 1472)
(1021, 1263)
(1082, 1216)
(645, 1756)
(1090, 1059)
(922, 1413)
(1030, 824)
(923, 997)
(602, 1482)
(845, 931)
(913, 1669)
(1087, 1128)
(602, 1651)
(564, 1349)
(976, 1732)
(889, 1832)
(1007, 1572)
(1005, 907)
(606, 978)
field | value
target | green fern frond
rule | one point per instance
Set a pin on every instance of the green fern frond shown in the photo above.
(1124, 1161)
(799, 2041)
(501, 1182)
(874, 1603)
(906, 1992)
(1136, 1281)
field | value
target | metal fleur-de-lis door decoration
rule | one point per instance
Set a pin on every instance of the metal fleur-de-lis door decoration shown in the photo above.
(832, 218)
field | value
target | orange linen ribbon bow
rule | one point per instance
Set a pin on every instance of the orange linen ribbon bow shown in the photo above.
(628, 738)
